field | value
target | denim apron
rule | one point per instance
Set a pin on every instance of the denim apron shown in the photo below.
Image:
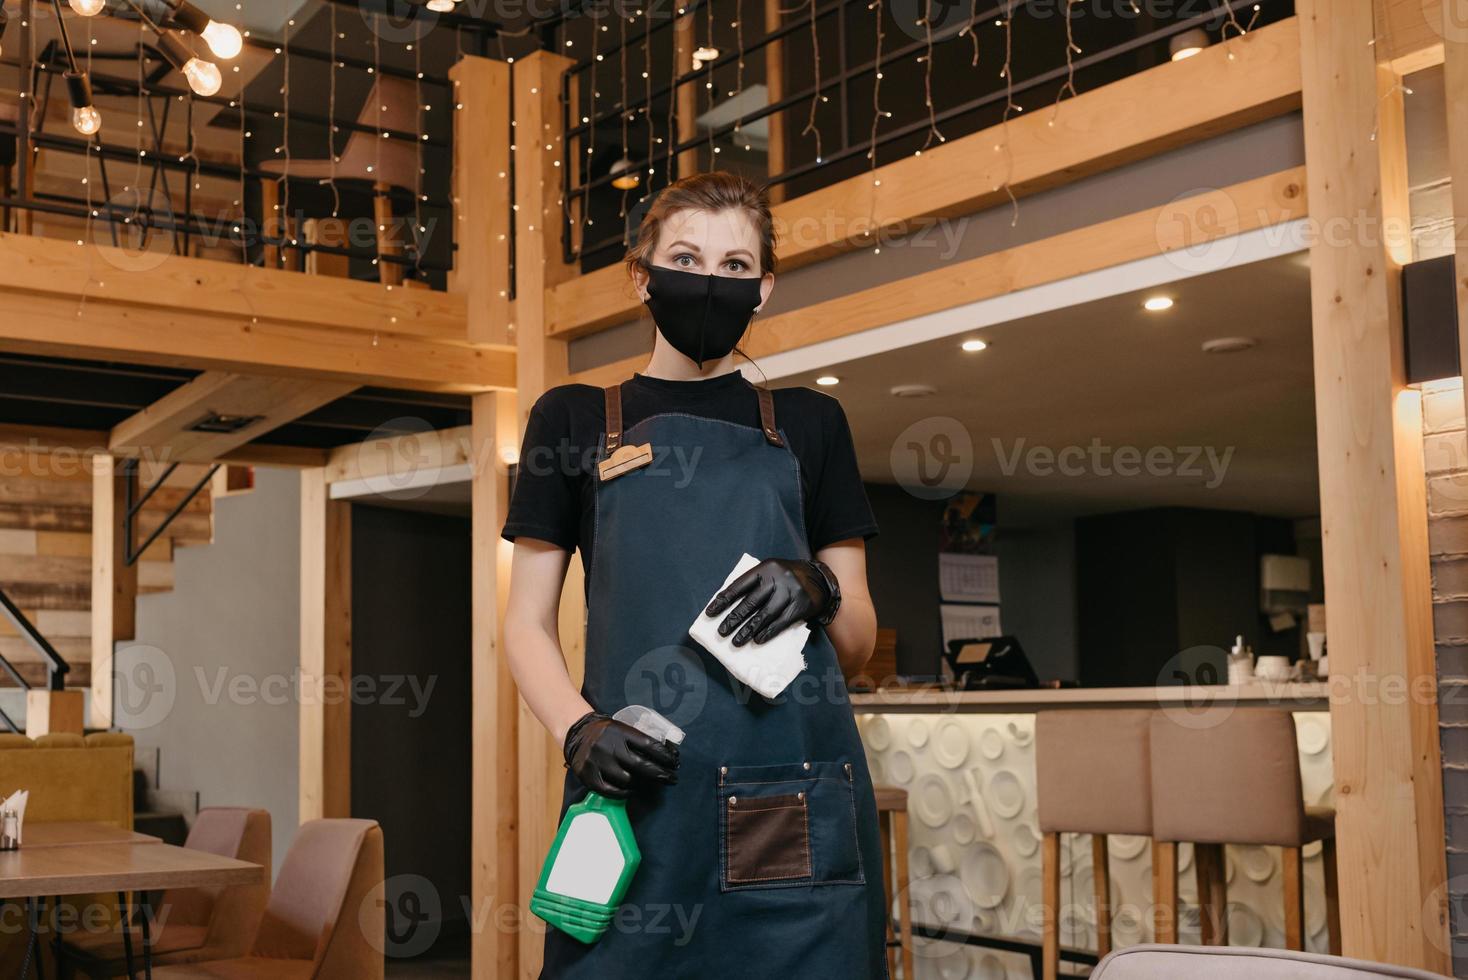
(764, 860)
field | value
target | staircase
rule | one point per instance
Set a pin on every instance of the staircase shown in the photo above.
(46, 546)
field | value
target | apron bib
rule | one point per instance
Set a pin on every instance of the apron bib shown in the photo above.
(765, 859)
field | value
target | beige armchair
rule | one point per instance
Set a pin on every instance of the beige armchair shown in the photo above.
(193, 924)
(1241, 963)
(320, 923)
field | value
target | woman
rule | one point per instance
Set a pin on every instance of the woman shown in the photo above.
(759, 841)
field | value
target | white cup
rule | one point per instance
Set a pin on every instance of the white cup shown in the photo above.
(1273, 668)
(943, 861)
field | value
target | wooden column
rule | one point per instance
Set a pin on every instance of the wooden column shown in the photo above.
(481, 272)
(495, 846)
(1388, 776)
(114, 582)
(326, 650)
(481, 195)
(686, 108)
(775, 158)
(541, 363)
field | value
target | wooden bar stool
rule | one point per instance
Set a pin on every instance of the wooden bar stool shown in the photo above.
(1093, 776)
(892, 820)
(1235, 780)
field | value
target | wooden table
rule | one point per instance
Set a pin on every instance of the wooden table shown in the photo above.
(72, 832)
(122, 867)
(78, 859)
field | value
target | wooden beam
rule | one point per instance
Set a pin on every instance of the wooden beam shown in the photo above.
(1184, 223)
(495, 844)
(114, 583)
(541, 364)
(1388, 774)
(397, 458)
(1413, 31)
(165, 282)
(1165, 107)
(481, 192)
(326, 651)
(165, 430)
(50, 325)
(90, 442)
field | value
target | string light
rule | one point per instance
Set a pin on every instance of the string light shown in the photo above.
(646, 13)
(927, 59)
(877, 116)
(1007, 74)
(704, 57)
(971, 30)
(738, 26)
(87, 8)
(816, 97)
(1071, 50)
(625, 176)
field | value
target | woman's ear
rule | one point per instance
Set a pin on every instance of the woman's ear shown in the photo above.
(766, 286)
(639, 282)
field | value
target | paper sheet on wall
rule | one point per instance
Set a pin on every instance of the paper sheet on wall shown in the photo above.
(968, 578)
(968, 622)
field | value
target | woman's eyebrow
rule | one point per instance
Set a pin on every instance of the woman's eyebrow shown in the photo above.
(685, 244)
(739, 251)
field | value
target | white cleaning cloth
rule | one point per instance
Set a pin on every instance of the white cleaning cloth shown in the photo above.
(767, 667)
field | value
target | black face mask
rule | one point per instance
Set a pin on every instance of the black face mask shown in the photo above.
(703, 317)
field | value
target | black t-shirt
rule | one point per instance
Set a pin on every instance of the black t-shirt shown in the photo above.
(554, 500)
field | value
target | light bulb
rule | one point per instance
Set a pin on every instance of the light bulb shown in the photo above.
(88, 8)
(441, 6)
(223, 39)
(203, 76)
(86, 119)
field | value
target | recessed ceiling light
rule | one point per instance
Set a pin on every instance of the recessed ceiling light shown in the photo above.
(974, 345)
(1157, 304)
(827, 380)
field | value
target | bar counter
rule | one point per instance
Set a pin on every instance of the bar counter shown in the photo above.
(1293, 696)
(967, 762)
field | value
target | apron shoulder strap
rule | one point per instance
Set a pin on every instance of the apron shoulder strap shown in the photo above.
(614, 417)
(767, 417)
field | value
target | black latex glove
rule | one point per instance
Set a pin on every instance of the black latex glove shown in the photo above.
(609, 756)
(776, 593)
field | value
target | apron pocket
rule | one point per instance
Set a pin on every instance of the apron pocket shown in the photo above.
(766, 838)
(789, 824)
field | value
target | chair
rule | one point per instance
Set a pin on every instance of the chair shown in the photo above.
(392, 104)
(320, 923)
(1235, 780)
(1093, 776)
(193, 924)
(1242, 963)
(892, 822)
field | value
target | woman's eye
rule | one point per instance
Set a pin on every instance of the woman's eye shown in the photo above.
(684, 260)
(735, 265)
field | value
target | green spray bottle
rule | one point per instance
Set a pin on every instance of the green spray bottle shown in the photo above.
(594, 856)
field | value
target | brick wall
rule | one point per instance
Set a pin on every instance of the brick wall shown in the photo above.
(1445, 457)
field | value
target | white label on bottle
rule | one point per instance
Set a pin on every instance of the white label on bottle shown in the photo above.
(590, 861)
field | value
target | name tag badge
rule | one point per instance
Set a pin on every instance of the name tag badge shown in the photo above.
(624, 459)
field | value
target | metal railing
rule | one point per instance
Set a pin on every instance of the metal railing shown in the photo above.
(163, 211)
(849, 87)
(56, 666)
